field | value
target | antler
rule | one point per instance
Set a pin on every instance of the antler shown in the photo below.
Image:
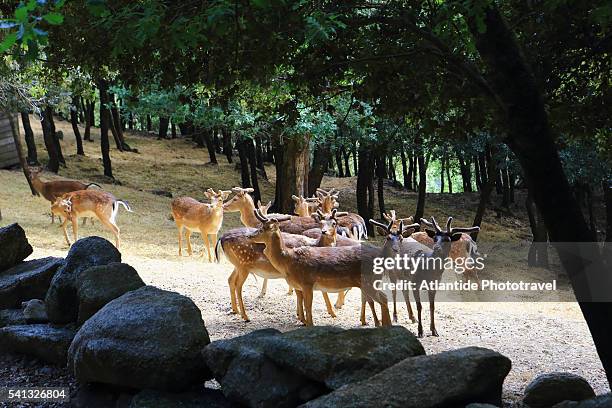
(260, 216)
(243, 190)
(432, 224)
(390, 216)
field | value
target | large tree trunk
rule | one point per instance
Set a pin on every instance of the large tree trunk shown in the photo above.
(50, 145)
(293, 177)
(530, 138)
(365, 186)
(88, 121)
(104, 125)
(29, 138)
(55, 136)
(163, 127)
(74, 120)
(22, 159)
(380, 187)
(320, 161)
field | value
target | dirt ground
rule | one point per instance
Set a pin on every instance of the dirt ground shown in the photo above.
(538, 337)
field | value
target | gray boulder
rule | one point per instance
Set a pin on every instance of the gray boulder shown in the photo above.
(338, 357)
(600, 401)
(453, 378)
(34, 311)
(99, 285)
(100, 396)
(549, 389)
(11, 317)
(39, 340)
(61, 300)
(14, 246)
(147, 338)
(249, 378)
(195, 399)
(269, 368)
(27, 280)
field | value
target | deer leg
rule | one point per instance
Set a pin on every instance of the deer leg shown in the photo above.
(363, 309)
(307, 294)
(207, 242)
(240, 279)
(394, 296)
(84, 221)
(406, 293)
(290, 290)
(340, 300)
(373, 309)
(64, 230)
(330, 309)
(264, 288)
(214, 241)
(417, 299)
(113, 228)
(180, 239)
(432, 308)
(188, 236)
(231, 281)
(300, 306)
(75, 228)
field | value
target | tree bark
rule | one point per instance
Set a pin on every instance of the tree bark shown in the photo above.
(172, 130)
(88, 121)
(227, 143)
(347, 155)
(405, 172)
(420, 208)
(104, 125)
(163, 127)
(252, 156)
(442, 174)
(320, 161)
(19, 147)
(338, 157)
(294, 168)
(210, 146)
(530, 138)
(380, 188)
(149, 123)
(55, 137)
(74, 120)
(245, 176)
(50, 145)
(29, 138)
(365, 186)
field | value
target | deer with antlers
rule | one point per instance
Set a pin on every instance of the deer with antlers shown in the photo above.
(304, 207)
(316, 268)
(194, 216)
(89, 203)
(52, 190)
(428, 271)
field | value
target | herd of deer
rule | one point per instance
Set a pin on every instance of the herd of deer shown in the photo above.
(318, 249)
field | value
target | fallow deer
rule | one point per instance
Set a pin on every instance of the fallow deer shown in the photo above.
(194, 216)
(316, 268)
(52, 190)
(89, 203)
(354, 223)
(304, 207)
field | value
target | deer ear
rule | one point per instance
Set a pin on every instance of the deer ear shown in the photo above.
(407, 232)
(295, 198)
(381, 231)
(430, 233)
(456, 237)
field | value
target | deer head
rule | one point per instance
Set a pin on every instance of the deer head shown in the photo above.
(393, 236)
(240, 200)
(443, 238)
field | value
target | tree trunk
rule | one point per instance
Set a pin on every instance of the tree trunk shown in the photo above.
(210, 146)
(405, 172)
(365, 186)
(252, 156)
(355, 164)
(19, 147)
(105, 121)
(50, 145)
(56, 141)
(88, 121)
(338, 157)
(245, 176)
(92, 115)
(74, 120)
(163, 127)
(172, 130)
(380, 182)
(259, 153)
(422, 185)
(118, 125)
(149, 123)
(530, 138)
(442, 174)
(347, 169)
(227, 143)
(114, 131)
(131, 122)
(538, 250)
(29, 138)
(216, 141)
(321, 156)
(448, 173)
(294, 168)
(485, 194)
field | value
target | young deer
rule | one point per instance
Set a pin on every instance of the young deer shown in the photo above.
(316, 268)
(194, 216)
(89, 203)
(353, 223)
(304, 207)
(52, 190)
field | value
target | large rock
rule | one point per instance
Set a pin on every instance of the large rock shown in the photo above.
(156, 399)
(100, 396)
(11, 317)
(14, 246)
(269, 368)
(34, 311)
(61, 300)
(453, 378)
(27, 280)
(147, 338)
(600, 401)
(549, 389)
(338, 357)
(39, 340)
(99, 285)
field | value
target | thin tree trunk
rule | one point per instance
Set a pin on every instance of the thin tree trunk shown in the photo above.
(448, 175)
(245, 174)
(149, 123)
(338, 157)
(252, 156)
(56, 141)
(346, 155)
(114, 132)
(478, 177)
(173, 130)
(88, 121)
(29, 138)
(74, 120)
(320, 161)
(365, 185)
(420, 208)
(104, 124)
(227, 143)
(442, 174)
(19, 147)
(92, 117)
(210, 146)
(380, 175)
(163, 127)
